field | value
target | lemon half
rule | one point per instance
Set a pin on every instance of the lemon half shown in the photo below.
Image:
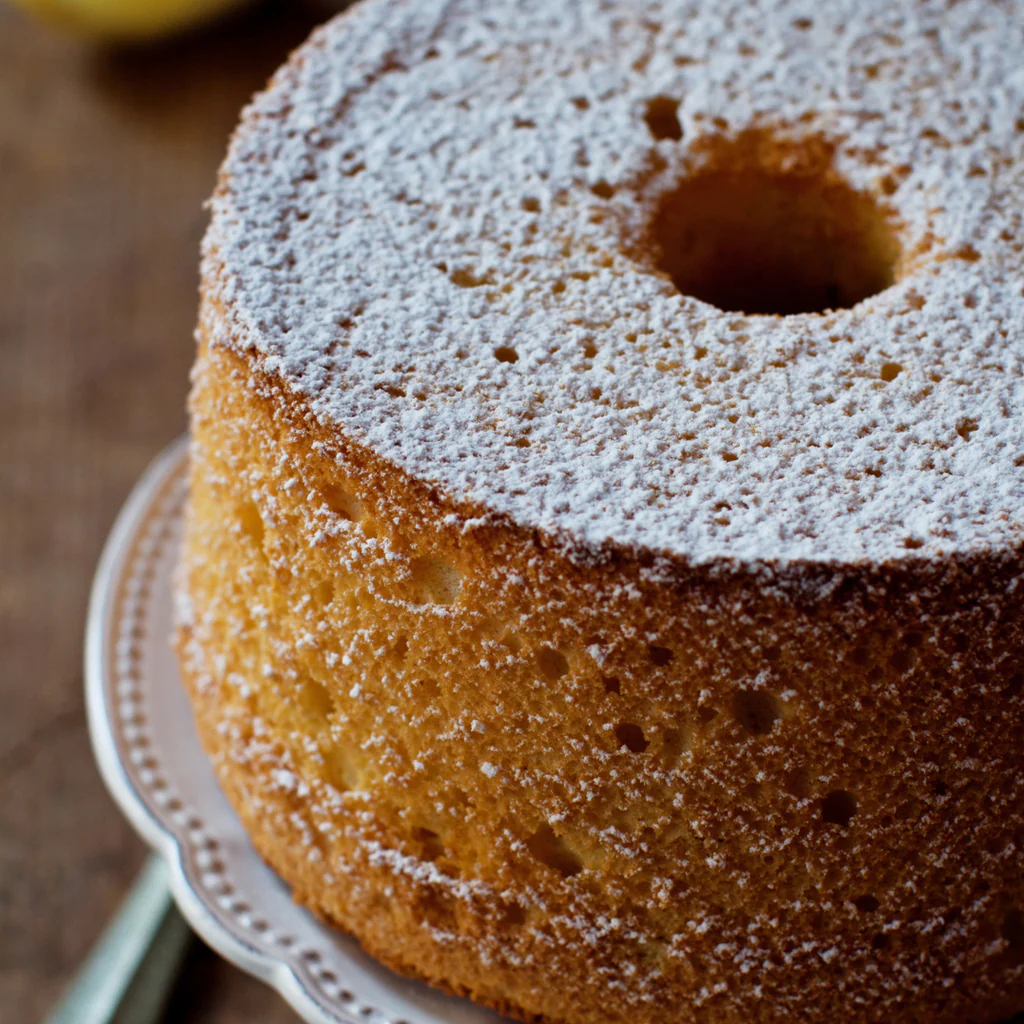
(128, 19)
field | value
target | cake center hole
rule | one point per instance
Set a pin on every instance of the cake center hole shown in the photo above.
(751, 234)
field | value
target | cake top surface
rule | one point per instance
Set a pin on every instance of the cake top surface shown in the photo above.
(457, 227)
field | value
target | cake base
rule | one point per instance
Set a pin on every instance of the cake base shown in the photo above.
(399, 940)
(822, 838)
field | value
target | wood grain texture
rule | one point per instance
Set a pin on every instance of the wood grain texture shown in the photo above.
(105, 161)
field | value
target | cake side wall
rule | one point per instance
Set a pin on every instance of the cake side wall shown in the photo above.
(583, 793)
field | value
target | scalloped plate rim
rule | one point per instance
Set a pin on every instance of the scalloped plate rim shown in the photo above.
(102, 601)
(130, 543)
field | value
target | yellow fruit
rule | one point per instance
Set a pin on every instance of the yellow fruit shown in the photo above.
(128, 19)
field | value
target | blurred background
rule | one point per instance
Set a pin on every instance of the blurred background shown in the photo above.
(106, 156)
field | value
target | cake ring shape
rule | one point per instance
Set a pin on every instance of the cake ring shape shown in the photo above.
(602, 584)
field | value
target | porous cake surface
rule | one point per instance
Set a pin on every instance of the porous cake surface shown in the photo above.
(602, 591)
(440, 226)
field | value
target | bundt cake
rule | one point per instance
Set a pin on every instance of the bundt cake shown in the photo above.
(602, 592)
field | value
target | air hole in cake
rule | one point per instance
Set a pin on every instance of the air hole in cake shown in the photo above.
(552, 664)
(437, 909)
(252, 522)
(631, 737)
(757, 711)
(314, 699)
(706, 714)
(903, 659)
(340, 771)
(504, 354)
(838, 807)
(880, 941)
(890, 371)
(435, 581)
(323, 594)
(866, 904)
(767, 227)
(429, 843)
(966, 427)
(514, 915)
(1013, 934)
(602, 190)
(554, 852)
(463, 278)
(662, 117)
(612, 684)
(530, 204)
(343, 504)
(660, 656)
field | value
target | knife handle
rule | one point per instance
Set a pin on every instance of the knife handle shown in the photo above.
(131, 970)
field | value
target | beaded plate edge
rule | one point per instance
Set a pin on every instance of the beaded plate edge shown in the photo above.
(168, 792)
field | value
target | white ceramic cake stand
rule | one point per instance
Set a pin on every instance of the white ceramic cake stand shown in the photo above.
(150, 758)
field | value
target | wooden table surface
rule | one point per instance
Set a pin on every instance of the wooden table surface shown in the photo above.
(105, 160)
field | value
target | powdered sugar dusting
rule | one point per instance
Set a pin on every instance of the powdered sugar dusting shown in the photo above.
(408, 233)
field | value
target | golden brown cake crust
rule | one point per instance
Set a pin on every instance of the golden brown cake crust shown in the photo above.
(577, 645)
(546, 864)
